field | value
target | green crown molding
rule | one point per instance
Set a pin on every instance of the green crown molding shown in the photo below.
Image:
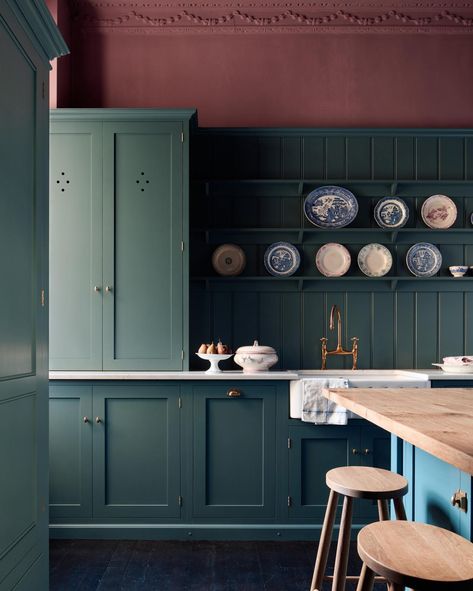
(132, 114)
(37, 21)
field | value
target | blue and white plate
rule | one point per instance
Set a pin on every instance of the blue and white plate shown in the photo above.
(282, 259)
(423, 259)
(391, 212)
(330, 207)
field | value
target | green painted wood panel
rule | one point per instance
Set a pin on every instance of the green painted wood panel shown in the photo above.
(136, 451)
(70, 451)
(234, 467)
(404, 324)
(143, 263)
(23, 321)
(75, 251)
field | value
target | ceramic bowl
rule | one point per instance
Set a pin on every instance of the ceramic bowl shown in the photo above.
(213, 359)
(466, 368)
(255, 358)
(458, 270)
(458, 360)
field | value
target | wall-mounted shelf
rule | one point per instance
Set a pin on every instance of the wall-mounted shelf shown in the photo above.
(348, 235)
(361, 188)
(320, 283)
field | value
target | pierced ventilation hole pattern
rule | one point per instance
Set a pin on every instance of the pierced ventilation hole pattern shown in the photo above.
(62, 182)
(142, 181)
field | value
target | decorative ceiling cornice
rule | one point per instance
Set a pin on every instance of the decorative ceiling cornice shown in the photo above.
(272, 17)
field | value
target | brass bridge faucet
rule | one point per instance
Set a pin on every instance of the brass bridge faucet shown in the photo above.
(339, 350)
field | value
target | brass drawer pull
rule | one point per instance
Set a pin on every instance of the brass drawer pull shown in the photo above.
(98, 420)
(86, 420)
(233, 393)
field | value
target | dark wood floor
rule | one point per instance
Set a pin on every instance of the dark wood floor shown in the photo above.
(86, 565)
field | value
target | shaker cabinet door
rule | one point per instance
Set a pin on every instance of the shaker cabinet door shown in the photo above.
(70, 451)
(136, 451)
(234, 451)
(143, 259)
(75, 246)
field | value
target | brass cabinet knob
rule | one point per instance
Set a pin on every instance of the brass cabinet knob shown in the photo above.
(96, 289)
(86, 420)
(460, 500)
(366, 452)
(98, 420)
(233, 393)
(355, 451)
(108, 289)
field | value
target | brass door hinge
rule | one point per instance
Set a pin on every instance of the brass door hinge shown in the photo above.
(182, 245)
(179, 500)
(179, 402)
(43, 298)
(289, 443)
(289, 501)
(182, 136)
(182, 354)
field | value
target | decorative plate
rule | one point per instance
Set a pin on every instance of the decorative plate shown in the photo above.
(391, 212)
(228, 259)
(333, 260)
(330, 207)
(439, 212)
(375, 260)
(423, 259)
(282, 259)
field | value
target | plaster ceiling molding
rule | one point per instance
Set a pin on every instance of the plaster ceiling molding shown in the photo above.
(188, 16)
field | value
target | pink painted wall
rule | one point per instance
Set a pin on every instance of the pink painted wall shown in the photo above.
(398, 79)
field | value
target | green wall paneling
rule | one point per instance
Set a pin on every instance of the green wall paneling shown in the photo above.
(402, 321)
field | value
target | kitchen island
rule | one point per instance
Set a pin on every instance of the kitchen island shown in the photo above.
(432, 445)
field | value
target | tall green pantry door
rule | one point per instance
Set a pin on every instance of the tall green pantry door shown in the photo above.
(143, 234)
(28, 40)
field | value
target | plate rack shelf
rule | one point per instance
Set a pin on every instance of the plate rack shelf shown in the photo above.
(262, 211)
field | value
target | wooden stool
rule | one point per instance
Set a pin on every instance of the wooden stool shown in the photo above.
(422, 557)
(354, 482)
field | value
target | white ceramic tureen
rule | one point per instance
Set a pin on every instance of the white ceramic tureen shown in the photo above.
(255, 358)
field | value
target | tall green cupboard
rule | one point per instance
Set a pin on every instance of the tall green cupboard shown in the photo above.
(118, 239)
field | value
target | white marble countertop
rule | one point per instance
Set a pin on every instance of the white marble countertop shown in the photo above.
(170, 375)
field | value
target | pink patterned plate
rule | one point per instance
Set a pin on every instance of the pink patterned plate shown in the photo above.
(333, 260)
(439, 212)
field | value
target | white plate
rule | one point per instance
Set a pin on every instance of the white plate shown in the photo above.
(466, 368)
(439, 212)
(333, 260)
(375, 260)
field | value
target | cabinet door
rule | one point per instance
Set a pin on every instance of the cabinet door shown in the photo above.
(314, 450)
(234, 451)
(75, 246)
(143, 259)
(136, 451)
(70, 451)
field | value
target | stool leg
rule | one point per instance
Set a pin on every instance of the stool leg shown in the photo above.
(399, 508)
(324, 543)
(343, 546)
(383, 510)
(366, 581)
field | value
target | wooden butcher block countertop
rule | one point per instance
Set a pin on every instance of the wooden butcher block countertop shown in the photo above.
(438, 420)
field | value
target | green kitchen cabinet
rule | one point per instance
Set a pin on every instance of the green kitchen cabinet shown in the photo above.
(119, 246)
(136, 451)
(234, 451)
(314, 450)
(70, 451)
(433, 483)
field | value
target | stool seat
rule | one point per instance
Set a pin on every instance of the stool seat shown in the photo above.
(363, 482)
(416, 555)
